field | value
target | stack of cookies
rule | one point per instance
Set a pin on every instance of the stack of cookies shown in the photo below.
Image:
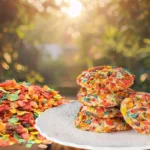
(102, 90)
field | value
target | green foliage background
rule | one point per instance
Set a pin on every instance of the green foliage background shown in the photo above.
(111, 32)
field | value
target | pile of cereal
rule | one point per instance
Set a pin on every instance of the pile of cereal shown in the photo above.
(20, 105)
(102, 90)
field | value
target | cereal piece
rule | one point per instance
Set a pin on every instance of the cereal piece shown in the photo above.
(103, 97)
(91, 123)
(113, 78)
(102, 112)
(136, 112)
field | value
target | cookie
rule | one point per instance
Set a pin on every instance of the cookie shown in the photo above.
(110, 77)
(102, 112)
(103, 97)
(136, 112)
(101, 125)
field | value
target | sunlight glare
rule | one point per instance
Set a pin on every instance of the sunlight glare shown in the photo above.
(58, 2)
(74, 10)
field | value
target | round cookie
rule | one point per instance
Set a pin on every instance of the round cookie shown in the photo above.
(136, 112)
(101, 112)
(103, 97)
(113, 78)
(90, 123)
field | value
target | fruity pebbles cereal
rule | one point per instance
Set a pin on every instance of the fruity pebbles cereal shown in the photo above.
(20, 105)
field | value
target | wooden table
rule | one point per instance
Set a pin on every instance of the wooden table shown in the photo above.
(53, 146)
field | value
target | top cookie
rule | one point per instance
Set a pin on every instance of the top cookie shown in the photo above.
(111, 77)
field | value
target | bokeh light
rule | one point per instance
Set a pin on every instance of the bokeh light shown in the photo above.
(74, 9)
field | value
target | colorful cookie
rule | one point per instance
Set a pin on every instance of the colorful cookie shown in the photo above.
(113, 78)
(136, 112)
(91, 123)
(103, 97)
(102, 112)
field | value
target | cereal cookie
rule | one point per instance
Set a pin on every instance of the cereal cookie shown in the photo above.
(136, 112)
(113, 78)
(90, 123)
(102, 112)
(103, 97)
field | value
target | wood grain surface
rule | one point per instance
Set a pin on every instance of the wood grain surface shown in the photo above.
(54, 146)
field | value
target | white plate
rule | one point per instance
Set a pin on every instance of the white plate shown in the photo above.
(56, 124)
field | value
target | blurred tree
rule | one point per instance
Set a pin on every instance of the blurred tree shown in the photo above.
(117, 33)
(18, 59)
(110, 32)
